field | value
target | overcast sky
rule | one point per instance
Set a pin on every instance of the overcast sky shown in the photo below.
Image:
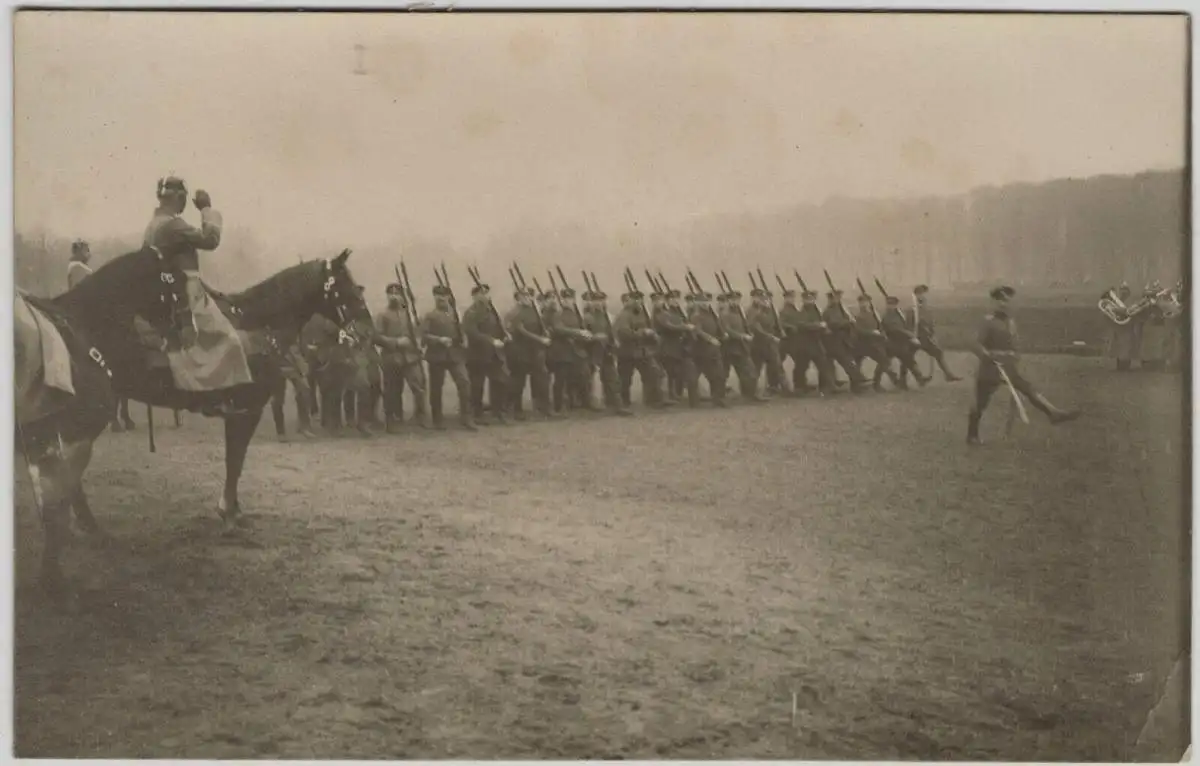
(464, 125)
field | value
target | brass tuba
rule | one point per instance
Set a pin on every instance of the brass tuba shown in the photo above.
(1109, 304)
(1170, 302)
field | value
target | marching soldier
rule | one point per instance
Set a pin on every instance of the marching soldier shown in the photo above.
(871, 343)
(925, 333)
(444, 354)
(1122, 345)
(569, 355)
(527, 356)
(674, 352)
(902, 343)
(638, 343)
(294, 369)
(401, 360)
(764, 350)
(736, 351)
(596, 321)
(839, 342)
(707, 351)
(803, 330)
(487, 360)
(996, 348)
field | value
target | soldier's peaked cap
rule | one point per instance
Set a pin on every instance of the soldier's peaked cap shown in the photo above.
(920, 289)
(672, 293)
(480, 288)
(863, 297)
(519, 294)
(171, 184)
(756, 293)
(809, 294)
(735, 295)
(441, 290)
(635, 295)
(893, 300)
(1003, 291)
(567, 292)
(394, 288)
(598, 295)
(789, 293)
(704, 296)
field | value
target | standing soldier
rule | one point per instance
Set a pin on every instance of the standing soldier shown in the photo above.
(1122, 342)
(925, 334)
(487, 362)
(569, 354)
(637, 352)
(902, 343)
(527, 356)
(707, 351)
(804, 328)
(365, 378)
(737, 347)
(444, 353)
(764, 350)
(1152, 332)
(597, 322)
(871, 343)
(401, 360)
(839, 343)
(674, 352)
(996, 348)
(293, 368)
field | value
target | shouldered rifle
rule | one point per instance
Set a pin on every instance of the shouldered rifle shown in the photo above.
(536, 310)
(443, 280)
(883, 291)
(833, 289)
(728, 288)
(410, 311)
(774, 312)
(574, 305)
(695, 286)
(633, 288)
(594, 287)
(800, 279)
(504, 336)
(874, 311)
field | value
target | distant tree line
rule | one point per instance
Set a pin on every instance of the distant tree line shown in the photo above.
(1070, 233)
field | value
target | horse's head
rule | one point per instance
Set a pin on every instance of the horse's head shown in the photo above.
(341, 299)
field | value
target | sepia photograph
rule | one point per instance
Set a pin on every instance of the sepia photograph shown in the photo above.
(605, 385)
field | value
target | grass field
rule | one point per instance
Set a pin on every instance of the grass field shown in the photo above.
(656, 587)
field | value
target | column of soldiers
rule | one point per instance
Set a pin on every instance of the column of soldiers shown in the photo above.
(557, 348)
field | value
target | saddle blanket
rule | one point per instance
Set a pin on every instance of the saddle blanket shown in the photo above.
(44, 382)
(217, 359)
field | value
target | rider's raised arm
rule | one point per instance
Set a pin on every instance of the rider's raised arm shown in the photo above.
(178, 232)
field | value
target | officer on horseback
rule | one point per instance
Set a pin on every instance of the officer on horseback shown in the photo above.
(221, 361)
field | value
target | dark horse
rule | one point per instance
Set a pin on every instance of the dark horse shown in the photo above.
(109, 360)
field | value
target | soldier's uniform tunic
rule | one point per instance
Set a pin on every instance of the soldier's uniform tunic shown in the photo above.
(675, 351)
(293, 368)
(486, 364)
(839, 342)
(568, 359)
(603, 361)
(901, 344)
(366, 378)
(803, 331)
(337, 370)
(709, 360)
(871, 343)
(637, 352)
(737, 352)
(436, 324)
(764, 349)
(527, 360)
(402, 365)
(77, 271)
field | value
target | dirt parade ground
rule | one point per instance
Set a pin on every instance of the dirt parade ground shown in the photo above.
(654, 587)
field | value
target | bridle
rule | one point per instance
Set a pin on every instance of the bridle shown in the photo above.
(332, 303)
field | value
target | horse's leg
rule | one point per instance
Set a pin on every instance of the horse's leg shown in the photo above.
(239, 430)
(54, 506)
(76, 459)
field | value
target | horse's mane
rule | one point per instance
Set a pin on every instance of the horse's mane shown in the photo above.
(280, 290)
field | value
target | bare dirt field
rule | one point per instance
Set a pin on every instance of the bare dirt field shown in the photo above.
(654, 587)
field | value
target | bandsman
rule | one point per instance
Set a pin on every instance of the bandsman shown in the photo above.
(444, 353)
(1123, 342)
(401, 360)
(1152, 331)
(996, 348)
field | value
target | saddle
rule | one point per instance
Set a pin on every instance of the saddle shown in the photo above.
(254, 342)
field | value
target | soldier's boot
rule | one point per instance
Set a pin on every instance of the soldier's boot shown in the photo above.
(973, 428)
(420, 413)
(877, 382)
(1055, 414)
